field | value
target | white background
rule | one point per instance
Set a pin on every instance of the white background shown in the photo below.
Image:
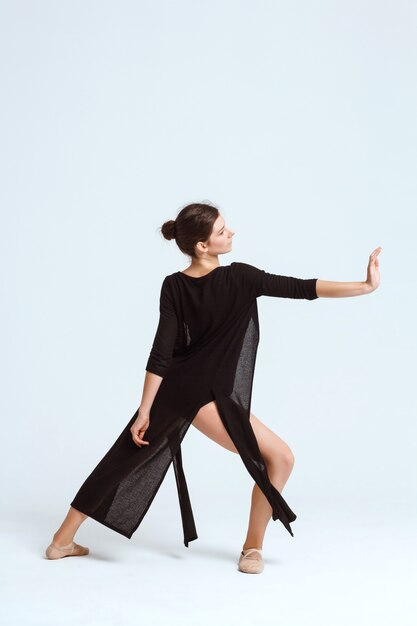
(297, 119)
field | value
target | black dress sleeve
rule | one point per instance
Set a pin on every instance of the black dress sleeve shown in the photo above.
(166, 333)
(261, 283)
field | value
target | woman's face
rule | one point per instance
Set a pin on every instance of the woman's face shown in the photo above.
(220, 240)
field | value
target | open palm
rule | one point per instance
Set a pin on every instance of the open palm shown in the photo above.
(372, 278)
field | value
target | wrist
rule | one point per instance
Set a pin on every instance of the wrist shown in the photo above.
(367, 288)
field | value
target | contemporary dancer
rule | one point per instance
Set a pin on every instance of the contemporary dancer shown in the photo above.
(200, 371)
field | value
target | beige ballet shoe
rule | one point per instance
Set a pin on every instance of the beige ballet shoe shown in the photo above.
(72, 549)
(250, 566)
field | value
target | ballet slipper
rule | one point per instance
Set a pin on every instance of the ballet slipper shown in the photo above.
(250, 566)
(72, 549)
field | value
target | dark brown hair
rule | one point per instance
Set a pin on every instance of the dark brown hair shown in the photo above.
(193, 223)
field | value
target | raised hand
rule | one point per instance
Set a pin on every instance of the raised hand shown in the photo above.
(372, 278)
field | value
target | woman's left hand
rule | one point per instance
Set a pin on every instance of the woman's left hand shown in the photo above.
(372, 278)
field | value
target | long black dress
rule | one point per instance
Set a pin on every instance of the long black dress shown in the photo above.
(205, 349)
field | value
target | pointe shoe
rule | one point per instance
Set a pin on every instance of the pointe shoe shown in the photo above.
(72, 549)
(250, 566)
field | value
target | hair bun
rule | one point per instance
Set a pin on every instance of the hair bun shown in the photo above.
(168, 229)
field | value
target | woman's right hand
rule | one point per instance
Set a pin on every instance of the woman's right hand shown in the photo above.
(139, 428)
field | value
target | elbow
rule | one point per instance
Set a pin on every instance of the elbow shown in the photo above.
(158, 364)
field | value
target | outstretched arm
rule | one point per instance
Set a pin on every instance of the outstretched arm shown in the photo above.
(332, 289)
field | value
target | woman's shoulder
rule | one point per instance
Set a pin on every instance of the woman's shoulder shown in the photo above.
(245, 271)
(244, 268)
(236, 269)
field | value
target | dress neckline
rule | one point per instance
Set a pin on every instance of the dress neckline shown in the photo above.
(200, 277)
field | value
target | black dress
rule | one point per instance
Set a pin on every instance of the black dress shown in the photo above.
(205, 349)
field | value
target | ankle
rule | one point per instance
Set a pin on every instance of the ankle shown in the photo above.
(248, 545)
(61, 540)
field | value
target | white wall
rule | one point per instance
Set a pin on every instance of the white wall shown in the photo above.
(297, 119)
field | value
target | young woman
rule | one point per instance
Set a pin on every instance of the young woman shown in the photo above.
(200, 371)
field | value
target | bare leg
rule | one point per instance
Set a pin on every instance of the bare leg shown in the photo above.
(280, 461)
(278, 458)
(261, 511)
(65, 533)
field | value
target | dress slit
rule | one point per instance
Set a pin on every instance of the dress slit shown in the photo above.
(237, 424)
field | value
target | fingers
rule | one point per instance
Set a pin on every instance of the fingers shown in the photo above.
(138, 440)
(375, 252)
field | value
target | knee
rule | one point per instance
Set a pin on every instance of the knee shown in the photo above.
(291, 459)
(283, 459)
(288, 459)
